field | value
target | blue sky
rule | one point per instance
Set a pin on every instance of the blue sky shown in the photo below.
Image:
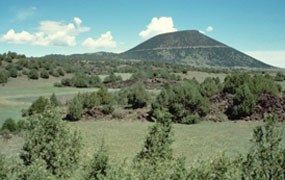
(36, 28)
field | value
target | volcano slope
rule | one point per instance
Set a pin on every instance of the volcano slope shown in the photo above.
(193, 48)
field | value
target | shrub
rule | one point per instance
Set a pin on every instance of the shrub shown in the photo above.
(99, 166)
(266, 158)
(181, 101)
(233, 81)
(44, 74)
(137, 96)
(54, 101)
(75, 109)
(49, 140)
(33, 74)
(38, 106)
(10, 125)
(112, 78)
(60, 71)
(108, 109)
(13, 72)
(243, 103)
(80, 81)
(210, 86)
(3, 77)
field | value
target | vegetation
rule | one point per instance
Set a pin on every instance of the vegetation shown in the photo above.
(183, 101)
(50, 142)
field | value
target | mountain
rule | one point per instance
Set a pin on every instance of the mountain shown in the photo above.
(193, 48)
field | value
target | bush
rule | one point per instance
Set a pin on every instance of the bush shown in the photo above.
(137, 96)
(33, 74)
(112, 78)
(54, 101)
(181, 101)
(13, 72)
(38, 106)
(75, 109)
(108, 109)
(44, 74)
(3, 77)
(210, 86)
(50, 141)
(266, 158)
(99, 166)
(10, 125)
(243, 103)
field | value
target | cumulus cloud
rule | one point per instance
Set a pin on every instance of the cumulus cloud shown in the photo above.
(210, 29)
(51, 33)
(158, 26)
(104, 41)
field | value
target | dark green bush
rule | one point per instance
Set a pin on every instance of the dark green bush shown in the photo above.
(13, 72)
(112, 78)
(3, 77)
(210, 86)
(54, 101)
(137, 96)
(75, 109)
(38, 106)
(181, 101)
(33, 74)
(10, 125)
(44, 74)
(243, 103)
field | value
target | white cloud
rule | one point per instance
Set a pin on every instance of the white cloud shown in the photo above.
(77, 21)
(200, 31)
(24, 14)
(104, 41)
(158, 26)
(275, 58)
(210, 29)
(51, 33)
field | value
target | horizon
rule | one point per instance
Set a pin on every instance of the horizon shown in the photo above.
(33, 28)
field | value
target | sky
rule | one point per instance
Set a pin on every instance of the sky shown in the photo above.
(37, 28)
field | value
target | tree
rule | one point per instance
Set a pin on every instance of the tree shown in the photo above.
(10, 125)
(49, 140)
(44, 74)
(54, 101)
(243, 103)
(266, 159)
(99, 165)
(137, 96)
(75, 109)
(183, 101)
(33, 74)
(38, 106)
(3, 77)
(159, 139)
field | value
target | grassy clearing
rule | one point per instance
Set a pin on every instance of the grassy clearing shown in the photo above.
(125, 76)
(19, 93)
(124, 139)
(201, 76)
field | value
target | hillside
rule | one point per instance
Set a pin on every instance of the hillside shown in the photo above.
(193, 48)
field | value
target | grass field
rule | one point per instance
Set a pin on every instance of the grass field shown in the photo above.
(124, 139)
(20, 93)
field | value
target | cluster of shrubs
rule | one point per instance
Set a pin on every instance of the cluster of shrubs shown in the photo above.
(81, 81)
(184, 102)
(81, 103)
(11, 126)
(40, 105)
(246, 91)
(279, 76)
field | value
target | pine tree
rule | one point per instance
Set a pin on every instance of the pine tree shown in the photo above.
(48, 139)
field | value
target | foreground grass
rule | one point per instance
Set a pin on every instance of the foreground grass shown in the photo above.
(124, 139)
